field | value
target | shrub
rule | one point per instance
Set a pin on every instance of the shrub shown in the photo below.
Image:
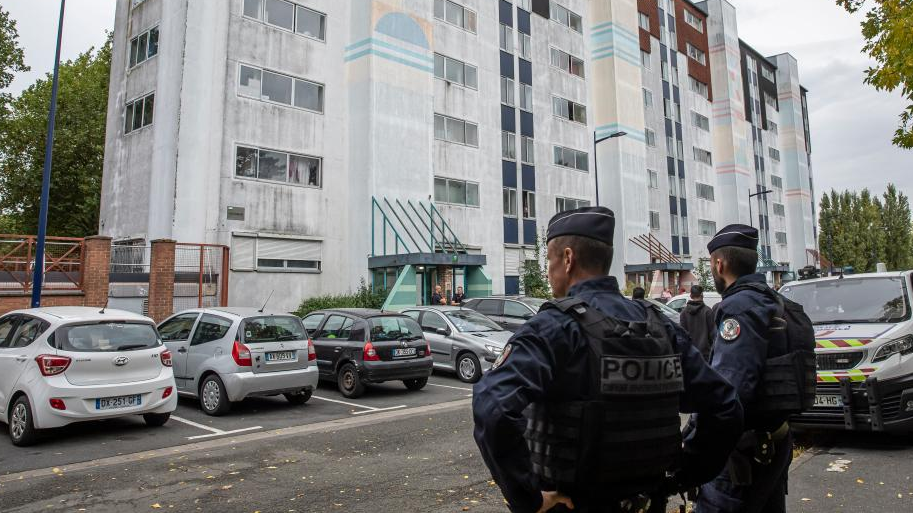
(364, 297)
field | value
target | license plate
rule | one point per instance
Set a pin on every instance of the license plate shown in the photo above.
(834, 401)
(280, 356)
(404, 352)
(116, 403)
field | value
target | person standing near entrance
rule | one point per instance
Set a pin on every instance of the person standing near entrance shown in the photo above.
(458, 298)
(438, 297)
(697, 319)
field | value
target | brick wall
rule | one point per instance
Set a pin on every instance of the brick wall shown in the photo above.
(23, 301)
(96, 270)
(161, 280)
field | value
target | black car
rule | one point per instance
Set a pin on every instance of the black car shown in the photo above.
(510, 312)
(356, 347)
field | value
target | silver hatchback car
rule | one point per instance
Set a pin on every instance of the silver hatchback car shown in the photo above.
(224, 355)
(461, 340)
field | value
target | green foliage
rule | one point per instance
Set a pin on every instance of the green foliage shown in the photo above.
(888, 31)
(364, 297)
(534, 274)
(704, 276)
(12, 58)
(629, 289)
(860, 230)
(79, 147)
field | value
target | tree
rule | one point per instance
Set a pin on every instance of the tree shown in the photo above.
(704, 276)
(888, 31)
(79, 147)
(534, 275)
(898, 232)
(12, 58)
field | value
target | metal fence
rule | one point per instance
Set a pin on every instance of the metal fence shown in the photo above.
(63, 263)
(128, 286)
(200, 276)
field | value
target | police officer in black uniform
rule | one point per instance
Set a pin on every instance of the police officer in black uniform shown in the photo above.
(756, 475)
(549, 365)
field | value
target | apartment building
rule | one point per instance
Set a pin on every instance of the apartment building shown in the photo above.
(420, 143)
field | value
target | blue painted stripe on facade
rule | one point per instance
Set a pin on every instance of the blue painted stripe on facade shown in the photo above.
(633, 133)
(376, 42)
(609, 24)
(392, 58)
(602, 53)
(613, 34)
(621, 55)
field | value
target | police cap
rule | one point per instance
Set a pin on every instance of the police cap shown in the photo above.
(735, 235)
(593, 222)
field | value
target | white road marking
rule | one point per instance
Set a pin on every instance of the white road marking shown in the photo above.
(345, 403)
(194, 424)
(223, 433)
(448, 386)
(375, 410)
(212, 431)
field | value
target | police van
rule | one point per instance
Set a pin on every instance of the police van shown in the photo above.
(864, 350)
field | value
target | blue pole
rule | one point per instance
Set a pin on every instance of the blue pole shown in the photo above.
(38, 276)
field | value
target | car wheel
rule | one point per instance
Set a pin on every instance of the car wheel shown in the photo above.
(349, 381)
(468, 368)
(213, 398)
(22, 428)
(415, 384)
(300, 397)
(156, 419)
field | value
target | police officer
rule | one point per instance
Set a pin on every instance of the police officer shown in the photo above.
(549, 366)
(756, 474)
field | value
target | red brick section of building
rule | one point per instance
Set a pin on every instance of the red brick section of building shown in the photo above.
(651, 9)
(161, 280)
(698, 39)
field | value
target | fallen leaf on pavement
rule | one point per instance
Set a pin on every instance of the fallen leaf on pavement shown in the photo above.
(860, 481)
(156, 506)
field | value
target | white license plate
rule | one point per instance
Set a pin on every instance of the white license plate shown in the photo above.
(116, 403)
(834, 401)
(280, 356)
(404, 352)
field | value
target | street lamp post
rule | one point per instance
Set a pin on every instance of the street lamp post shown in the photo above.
(596, 141)
(38, 273)
(750, 196)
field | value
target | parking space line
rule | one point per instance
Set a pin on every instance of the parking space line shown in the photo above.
(375, 410)
(345, 403)
(448, 386)
(199, 426)
(223, 433)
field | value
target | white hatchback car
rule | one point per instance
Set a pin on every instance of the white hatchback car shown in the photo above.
(62, 365)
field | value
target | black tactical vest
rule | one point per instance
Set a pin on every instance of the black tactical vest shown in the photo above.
(625, 434)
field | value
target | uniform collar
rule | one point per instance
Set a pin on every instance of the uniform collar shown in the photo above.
(601, 284)
(748, 278)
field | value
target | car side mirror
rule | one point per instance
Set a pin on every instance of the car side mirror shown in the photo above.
(443, 331)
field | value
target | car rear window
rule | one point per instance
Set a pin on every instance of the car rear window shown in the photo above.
(105, 337)
(394, 328)
(273, 329)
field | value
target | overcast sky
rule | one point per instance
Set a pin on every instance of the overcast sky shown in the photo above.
(852, 124)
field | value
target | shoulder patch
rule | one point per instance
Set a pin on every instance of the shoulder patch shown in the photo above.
(730, 329)
(502, 357)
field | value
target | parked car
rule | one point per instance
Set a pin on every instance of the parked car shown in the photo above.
(462, 340)
(356, 347)
(224, 355)
(70, 364)
(673, 315)
(679, 302)
(510, 312)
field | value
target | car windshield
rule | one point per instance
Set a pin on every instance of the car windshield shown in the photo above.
(471, 321)
(273, 329)
(533, 302)
(104, 337)
(852, 300)
(394, 328)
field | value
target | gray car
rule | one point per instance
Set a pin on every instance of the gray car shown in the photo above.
(461, 340)
(224, 355)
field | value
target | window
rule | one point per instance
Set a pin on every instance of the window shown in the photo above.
(653, 179)
(700, 121)
(704, 191)
(177, 328)
(673, 185)
(210, 328)
(697, 54)
(144, 46)
(566, 157)
(670, 146)
(312, 322)
(706, 228)
(644, 21)
(781, 238)
(456, 72)
(455, 130)
(273, 87)
(645, 59)
(456, 192)
(508, 146)
(526, 97)
(654, 220)
(648, 99)
(779, 210)
(684, 229)
(568, 110)
(774, 154)
(772, 127)
(776, 181)
(507, 91)
(455, 14)
(139, 113)
(699, 87)
(288, 16)
(277, 166)
(250, 252)
(565, 204)
(768, 74)
(566, 17)
(517, 310)
(336, 326)
(650, 136)
(703, 156)
(529, 205)
(694, 21)
(770, 100)
(673, 222)
(525, 46)
(510, 202)
(527, 150)
(432, 322)
(566, 62)
(525, 5)
(667, 108)
(506, 38)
